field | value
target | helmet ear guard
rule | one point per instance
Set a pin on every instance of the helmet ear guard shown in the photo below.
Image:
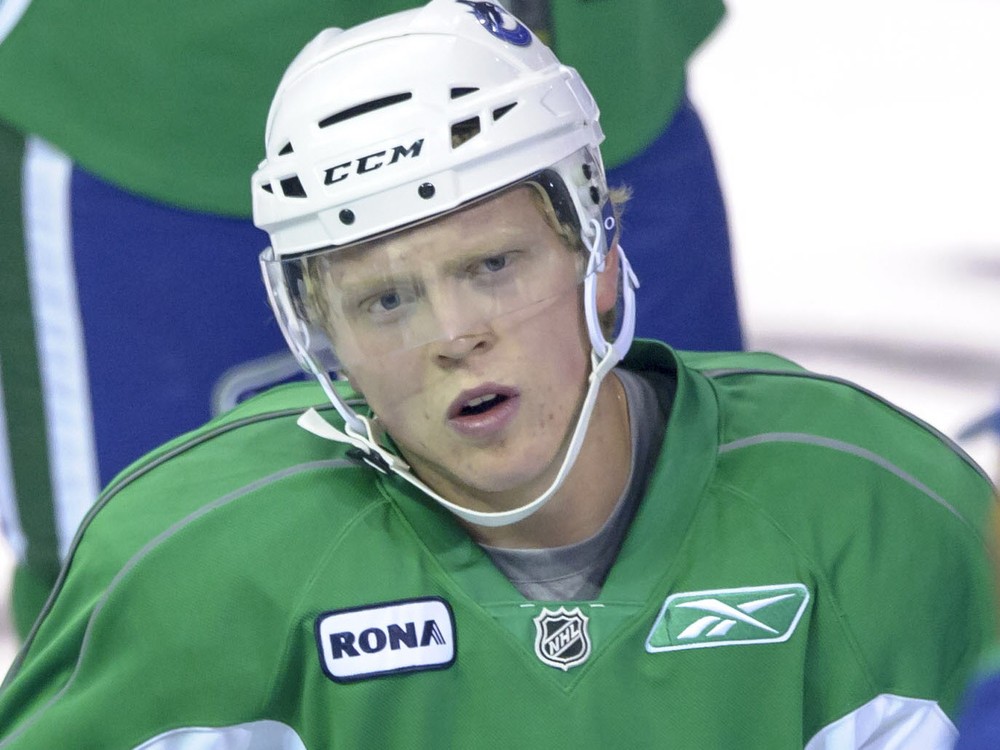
(480, 105)
(307, 342)
(291, 323)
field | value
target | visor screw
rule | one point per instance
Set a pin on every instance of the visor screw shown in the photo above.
(587, 172)
(347, 216)
(595, 195)
(426, 191)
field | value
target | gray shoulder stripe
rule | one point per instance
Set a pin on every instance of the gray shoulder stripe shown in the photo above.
(139, 470)
(142, 468)
(850, 448)
(809, 375)
(137, 558)
(721, 372)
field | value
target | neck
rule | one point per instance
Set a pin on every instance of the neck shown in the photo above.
(589, 494)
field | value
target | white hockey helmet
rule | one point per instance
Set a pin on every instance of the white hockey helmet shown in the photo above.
(413, 114)
(405, 118)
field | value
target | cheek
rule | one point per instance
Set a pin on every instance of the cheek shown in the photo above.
(556, 352)
(392, 386)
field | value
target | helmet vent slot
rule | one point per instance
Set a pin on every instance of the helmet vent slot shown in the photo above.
(464, 131)
(460, 91)
(286, 149)
(267, 186)
(501, 111)
(292, 188)
(363, 109)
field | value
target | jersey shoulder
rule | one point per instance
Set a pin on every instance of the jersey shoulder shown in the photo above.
(254, 446)
(884, 514)
(254, 456)
(767, 399)
(245, 497)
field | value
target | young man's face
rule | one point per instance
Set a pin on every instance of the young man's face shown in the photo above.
(467, 337)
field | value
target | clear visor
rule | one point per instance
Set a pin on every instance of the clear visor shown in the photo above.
(403, 313)
(460, 276)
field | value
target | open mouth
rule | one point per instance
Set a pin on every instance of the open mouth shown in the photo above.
(481, 404)
(485, 412)
(478, 401)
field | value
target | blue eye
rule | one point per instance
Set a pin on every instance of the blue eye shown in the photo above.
(388, 305)
(495, 263)
(389, 301)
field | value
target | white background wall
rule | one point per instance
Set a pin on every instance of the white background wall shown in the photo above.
(859, 147)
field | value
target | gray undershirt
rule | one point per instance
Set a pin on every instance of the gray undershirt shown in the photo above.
(577, 571)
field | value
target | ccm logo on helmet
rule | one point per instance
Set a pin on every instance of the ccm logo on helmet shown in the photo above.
(371, 162)
(390, 638)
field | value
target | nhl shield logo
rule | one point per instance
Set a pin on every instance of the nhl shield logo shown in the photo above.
(561, 638)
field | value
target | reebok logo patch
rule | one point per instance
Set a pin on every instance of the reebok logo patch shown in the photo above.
(390, 638)
(728, 617)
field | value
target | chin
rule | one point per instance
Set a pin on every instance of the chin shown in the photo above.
(511, 478)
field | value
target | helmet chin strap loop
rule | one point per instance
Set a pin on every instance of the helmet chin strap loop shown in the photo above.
(601, 364)
(311, 421)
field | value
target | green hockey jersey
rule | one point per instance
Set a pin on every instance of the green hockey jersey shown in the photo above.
(806, 569)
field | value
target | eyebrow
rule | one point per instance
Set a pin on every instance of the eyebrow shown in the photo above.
(357, 288)
(356, 267)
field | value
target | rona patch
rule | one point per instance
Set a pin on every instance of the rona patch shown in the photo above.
(384, 639)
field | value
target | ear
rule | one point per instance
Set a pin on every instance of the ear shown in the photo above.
(607, 282)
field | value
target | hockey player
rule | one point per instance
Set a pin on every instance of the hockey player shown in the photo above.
(504, 523)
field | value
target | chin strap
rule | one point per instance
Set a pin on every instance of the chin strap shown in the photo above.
(359, 434)
(381, 459)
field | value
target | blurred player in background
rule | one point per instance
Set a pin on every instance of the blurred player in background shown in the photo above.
(130, 130)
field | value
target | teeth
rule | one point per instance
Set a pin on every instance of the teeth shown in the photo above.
(479, 401)
(480, 404)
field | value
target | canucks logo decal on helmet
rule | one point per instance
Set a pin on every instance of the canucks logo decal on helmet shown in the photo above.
(561, 637)
(492, 17)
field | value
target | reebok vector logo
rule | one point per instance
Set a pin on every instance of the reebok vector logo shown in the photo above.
(390, 638)
(728, 617)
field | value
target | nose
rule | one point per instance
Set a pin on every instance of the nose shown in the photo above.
(453, 351)
(463, 327)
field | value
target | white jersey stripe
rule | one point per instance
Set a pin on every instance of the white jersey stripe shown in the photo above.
(254, 735)
(10, 13)
(889, 722)
(59, 332)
